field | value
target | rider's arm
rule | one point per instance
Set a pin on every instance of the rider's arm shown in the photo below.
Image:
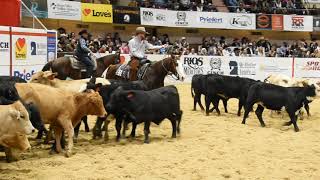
(134, 50)
(83, 45)
(152, 47)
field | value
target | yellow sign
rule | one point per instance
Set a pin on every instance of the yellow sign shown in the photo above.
(96, 13)
(21, 49)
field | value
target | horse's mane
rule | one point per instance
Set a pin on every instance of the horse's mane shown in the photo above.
(102, 58)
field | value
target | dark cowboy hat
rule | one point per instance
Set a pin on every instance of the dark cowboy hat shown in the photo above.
(83, 32)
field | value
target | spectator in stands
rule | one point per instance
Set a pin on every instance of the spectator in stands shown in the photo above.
(72, 46)
(184, 43)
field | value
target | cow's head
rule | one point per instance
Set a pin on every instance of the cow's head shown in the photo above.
(20, 118)
(15, 140)
(118, 99)
(92, 102)
(45, 77)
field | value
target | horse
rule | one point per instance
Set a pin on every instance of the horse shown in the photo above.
(64, 69)
(155, 73)
(153, 79)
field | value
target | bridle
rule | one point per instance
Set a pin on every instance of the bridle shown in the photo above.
(175, 76)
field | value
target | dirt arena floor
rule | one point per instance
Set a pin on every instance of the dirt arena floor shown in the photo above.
(208, 148)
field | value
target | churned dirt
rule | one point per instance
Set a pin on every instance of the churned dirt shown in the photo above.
(208, 148)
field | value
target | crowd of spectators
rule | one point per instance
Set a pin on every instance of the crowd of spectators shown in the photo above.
(212, 46)
(268, 6)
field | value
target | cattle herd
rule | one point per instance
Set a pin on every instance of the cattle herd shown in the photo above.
(62, 104)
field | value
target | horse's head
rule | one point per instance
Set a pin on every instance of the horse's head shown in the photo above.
(173, 67)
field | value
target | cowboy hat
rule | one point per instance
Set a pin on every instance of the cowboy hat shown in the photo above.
(83, 32)
(141, 30)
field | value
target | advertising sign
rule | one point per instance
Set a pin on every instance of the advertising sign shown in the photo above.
(263, 21)
(307, 67)
(126, 15)
(298, 23)
(96, 13)
(29, 51)
(38, 7)
(4, 51)
(277, 22)
(52, 45)
(241, 21)
(69, 10)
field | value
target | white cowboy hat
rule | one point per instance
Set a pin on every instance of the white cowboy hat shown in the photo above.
(141, 30)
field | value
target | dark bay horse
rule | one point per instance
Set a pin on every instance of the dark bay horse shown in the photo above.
(156, 73)
(64, 69)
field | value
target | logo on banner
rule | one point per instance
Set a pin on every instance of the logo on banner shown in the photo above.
(161, 17)
(277, 22)
(181, 16)
(4, 46)
(21, 49)
(264, 21)
(97, 13)
(241, 21)
(147, 15)
(24, 74)
(242, 69)
(126, 18)
(193, 65)
(38, 48)
(297, 22)
(211, 20)
(312, 66)
(215, 64)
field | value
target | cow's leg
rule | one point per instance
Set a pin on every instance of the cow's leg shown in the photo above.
(10, 155)
(208, 102)
(240, 106)
(179, 116)
(199, 102)
(307, 108)
(68, 127)
(195, 102)
(76, 131)
(174, 126)
(216, 105)
(97, 128)
(247, 109)
(225, 105)
(118, 128)
(85, 122)
(58, 134)
(293, 119)
(125, 127)
(106, 133)
(133, 131)
(259, 112)
(146, 132)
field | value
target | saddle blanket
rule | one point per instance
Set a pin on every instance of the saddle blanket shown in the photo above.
(123, 71)
(76, 64)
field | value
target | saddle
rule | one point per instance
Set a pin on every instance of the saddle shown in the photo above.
(76, 64)
(123, 71)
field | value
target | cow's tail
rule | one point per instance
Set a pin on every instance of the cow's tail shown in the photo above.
(47, 67)
(192, 94)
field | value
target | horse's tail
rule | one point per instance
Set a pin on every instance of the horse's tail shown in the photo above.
(47, 67)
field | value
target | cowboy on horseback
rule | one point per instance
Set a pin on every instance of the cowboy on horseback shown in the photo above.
(83, 52)
(137, 46)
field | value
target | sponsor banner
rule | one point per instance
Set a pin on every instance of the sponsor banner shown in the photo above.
(298, 23)
(316, 23)
(96, 13)
(263, 21)
(52, 45)
(4, 51)
(126, 15)
(210, 20)
(69, 10)
(307, 67)
(277, 22)
(157, 17)
(314, 1)
(241, 21)
(29, 51)
(38, 7)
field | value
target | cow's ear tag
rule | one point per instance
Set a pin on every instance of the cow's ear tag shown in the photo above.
(130, 95)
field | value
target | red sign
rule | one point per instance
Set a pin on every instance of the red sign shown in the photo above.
(10, 12)
(277, 22)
